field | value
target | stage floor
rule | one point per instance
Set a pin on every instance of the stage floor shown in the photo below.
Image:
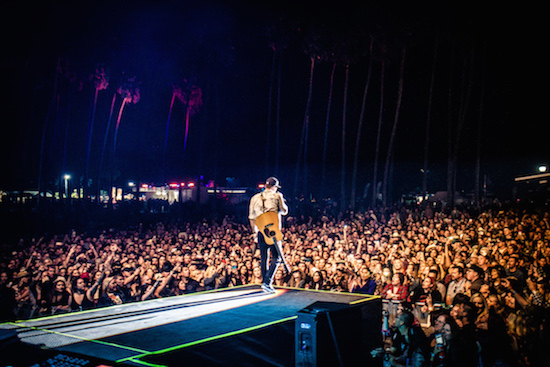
(130, 333)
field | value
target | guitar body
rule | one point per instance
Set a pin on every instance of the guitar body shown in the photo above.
(268, 224)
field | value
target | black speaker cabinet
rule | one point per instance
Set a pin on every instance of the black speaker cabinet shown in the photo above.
(337, 334)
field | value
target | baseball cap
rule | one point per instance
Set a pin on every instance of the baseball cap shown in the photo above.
(273, 181)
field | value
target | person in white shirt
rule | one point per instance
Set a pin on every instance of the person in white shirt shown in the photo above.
(269, 200)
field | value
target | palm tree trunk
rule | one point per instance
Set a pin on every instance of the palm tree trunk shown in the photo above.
(303, 140)
(118, 122)
(89, 142)
(217, 127)
(325, 143)
(477, 182)
(104, 148)
(467, 82)
(187, 114)
(378, 133)
(166, 136)
(450, 171)
(66, 135)
(54, 153)
(428, 122)
(343, 163)
(44, 132)
(269, 107)
(389, 155)
(278, 118)
(359, 128)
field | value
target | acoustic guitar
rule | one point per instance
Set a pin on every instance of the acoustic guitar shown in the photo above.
(268, 225)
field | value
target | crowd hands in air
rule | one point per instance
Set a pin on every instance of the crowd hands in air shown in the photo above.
(483, 278)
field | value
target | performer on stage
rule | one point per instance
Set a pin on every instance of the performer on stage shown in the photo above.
(269, 200)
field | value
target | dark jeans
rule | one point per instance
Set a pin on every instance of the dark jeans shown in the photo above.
(265, 251)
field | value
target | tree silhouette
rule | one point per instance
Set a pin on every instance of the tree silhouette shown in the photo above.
(176, 93)
(379, 128)
(428, 122)
(130, 93)
(193, 99)
(389, 155)
(312, 50)
(359, 128)
(100, 81)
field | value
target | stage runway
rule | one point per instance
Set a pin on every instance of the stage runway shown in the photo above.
(143, 332)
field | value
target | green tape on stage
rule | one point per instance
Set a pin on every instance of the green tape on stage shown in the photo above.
(205, 340)
(82, 338)
(137, 361)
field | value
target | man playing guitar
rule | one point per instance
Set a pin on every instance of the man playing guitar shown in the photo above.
(267, 229)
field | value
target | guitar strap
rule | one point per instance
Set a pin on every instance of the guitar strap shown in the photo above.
(263, 201)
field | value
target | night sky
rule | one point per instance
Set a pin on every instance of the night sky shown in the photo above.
(224, 48)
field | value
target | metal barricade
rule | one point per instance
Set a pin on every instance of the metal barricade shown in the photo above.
(391, 307)
(420, 311)
(423, 315)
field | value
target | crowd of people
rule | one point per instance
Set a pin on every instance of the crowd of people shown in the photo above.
(483, 277)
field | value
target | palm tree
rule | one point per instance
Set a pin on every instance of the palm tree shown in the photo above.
(389, 155)
(379, 130)
(428, 120)
(359, 128)
(193, 99)
(278, 114)
(312, 50)
(269, 104)
(343, 162)
(327, 119)
(100, 80)
(104, 148)
(72, 85)
(450, 170)
(305, 128)
(176, 93)
(279, 32)
(479, 135)
(45, 130)
(130, 94)
(466, 91)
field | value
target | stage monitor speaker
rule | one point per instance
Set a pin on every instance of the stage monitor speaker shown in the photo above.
(15, 353)
(336, 334)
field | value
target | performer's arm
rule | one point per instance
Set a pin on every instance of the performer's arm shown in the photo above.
(252, 215)
(283, 208)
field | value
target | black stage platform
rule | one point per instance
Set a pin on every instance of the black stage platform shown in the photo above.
(233, 326)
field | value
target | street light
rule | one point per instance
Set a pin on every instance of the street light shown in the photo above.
(66, 178)
(543, 168)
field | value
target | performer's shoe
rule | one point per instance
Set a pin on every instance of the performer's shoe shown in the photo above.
(268, 288)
